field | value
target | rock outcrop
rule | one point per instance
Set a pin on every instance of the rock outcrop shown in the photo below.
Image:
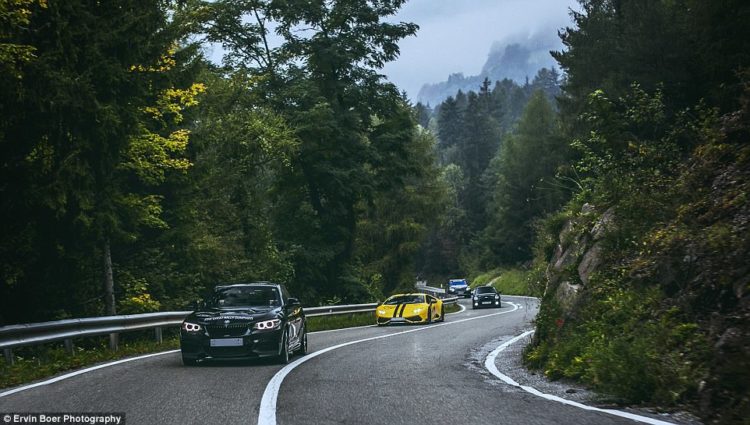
(577, 255)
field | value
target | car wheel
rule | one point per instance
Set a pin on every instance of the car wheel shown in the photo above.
(429, 316)
(284, 355)
(189, 361)
(442, 314)
(303, 343)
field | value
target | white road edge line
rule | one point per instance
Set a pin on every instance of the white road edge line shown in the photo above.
(267, 412)
(489, 364)
(82, 371)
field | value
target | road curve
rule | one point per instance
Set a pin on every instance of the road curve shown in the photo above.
(397, 375)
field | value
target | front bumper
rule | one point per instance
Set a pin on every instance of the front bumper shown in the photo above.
(460, 291)
(488, 302)
(257, 344)
(401, 320)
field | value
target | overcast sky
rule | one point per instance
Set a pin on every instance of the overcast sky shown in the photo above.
(456, 35)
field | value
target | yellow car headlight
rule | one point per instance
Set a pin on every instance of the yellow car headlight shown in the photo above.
(417, 310)
(382, 312)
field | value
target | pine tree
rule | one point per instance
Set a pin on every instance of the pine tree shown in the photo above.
(522, 178)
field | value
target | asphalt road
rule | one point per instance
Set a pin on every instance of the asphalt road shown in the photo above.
(431, 374)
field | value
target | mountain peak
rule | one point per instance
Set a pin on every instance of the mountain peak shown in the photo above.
(517, 59)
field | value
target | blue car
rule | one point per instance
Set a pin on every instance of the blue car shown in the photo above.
(459, 287)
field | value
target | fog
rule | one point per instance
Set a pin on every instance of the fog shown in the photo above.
(457, 35)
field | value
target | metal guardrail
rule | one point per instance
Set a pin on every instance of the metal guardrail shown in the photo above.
(339, 309)
(14, 336)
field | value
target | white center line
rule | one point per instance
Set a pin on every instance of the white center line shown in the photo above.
(267, 412)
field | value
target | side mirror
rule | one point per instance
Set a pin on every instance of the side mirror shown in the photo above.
(292, 302)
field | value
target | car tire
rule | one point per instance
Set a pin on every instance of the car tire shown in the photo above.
(442, 313)
(303, 343)
(283, 357)
(189, 361)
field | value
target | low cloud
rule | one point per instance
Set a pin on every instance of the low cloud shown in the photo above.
(457, 35)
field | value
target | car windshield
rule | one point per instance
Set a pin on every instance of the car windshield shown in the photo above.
(405, 299)
(484, 290)
(245, 296)
(457, 282)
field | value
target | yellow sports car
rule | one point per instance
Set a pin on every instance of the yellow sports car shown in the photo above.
(410, 308)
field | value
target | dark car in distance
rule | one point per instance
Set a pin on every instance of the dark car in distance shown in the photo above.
(485, 296)
(245, 321)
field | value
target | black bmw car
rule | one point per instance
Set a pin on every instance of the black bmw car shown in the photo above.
(245, 321)
(485, 296)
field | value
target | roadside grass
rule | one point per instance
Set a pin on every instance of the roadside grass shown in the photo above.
(452, 308)
(43, 361)
(340, 321)
(512, 282)
(483, 278)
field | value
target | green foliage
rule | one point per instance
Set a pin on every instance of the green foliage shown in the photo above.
(513, 281)
(524, 184)
(70, 119)
(339, 321)
(656, 322)
(34, 363)
(136, 298)
(483, 278)
(16, 14)
(616, 345)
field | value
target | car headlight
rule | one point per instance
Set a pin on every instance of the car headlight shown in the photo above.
(476, 298)
(268, 325)
(417, 310)
(381, 312)
(497, 297)
(190, 327)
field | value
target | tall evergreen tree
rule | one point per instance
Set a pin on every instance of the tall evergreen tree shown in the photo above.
(522, 178)
(480, 141)
(68, 123)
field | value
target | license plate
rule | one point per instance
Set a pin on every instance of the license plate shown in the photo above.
(486, 302)
(227, 342)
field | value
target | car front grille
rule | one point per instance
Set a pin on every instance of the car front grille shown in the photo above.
(231, 329)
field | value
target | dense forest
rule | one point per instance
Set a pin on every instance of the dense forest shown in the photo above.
(136, 174)
(622, 197)
(488, 150)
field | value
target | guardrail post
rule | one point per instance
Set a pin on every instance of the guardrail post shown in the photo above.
(69, 348)
(157, 334)
(8, 353)
(113, 342)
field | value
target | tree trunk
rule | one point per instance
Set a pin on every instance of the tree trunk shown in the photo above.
(109, 283)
